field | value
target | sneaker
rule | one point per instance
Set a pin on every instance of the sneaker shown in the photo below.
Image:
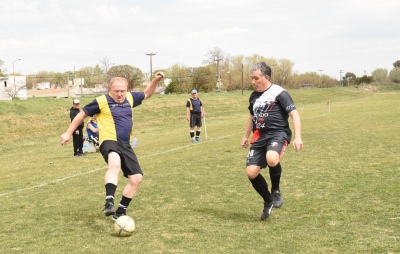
(117, 215)
(109, 208)
(194, 140)
(278, 200)
(198, 139)
(267, 210)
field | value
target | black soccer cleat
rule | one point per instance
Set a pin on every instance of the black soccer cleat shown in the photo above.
(278, 200)
(267, 210)
(109, 208)
(117, 215)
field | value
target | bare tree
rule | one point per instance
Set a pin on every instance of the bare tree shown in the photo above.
(105, 66)
(14, 90)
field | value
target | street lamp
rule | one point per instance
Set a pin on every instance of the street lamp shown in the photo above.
(15, 85)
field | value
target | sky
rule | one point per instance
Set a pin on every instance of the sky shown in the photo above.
(323, 36)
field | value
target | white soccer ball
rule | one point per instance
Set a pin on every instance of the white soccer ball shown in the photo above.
(124, 226)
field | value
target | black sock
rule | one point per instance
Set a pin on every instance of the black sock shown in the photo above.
(110, 191)
(261, 186)
(123, 205)
(192, 134)
(275, 175)
(197, 134)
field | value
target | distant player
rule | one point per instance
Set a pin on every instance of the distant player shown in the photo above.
(194, 114)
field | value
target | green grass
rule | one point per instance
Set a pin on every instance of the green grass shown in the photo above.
(341, 193)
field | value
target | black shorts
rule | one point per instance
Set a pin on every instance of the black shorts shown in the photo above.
(275, 141)
(195, 120)
(129, 161)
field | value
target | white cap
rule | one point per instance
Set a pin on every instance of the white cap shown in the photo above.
(76, 101)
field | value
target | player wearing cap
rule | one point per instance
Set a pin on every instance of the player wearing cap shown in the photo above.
(77, 135)
(194, 114)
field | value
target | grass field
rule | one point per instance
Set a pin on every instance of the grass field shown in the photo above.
(341, 193)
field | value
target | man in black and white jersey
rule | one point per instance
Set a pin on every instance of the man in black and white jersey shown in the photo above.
(270, 107)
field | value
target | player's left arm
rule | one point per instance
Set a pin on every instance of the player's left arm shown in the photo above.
(297, 142)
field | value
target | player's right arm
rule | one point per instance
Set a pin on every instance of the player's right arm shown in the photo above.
(187, 113)
(72, 127)
(249, 126)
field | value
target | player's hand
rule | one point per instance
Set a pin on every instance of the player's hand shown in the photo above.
(245, 142)
(159, 75)
(65, 138)
(298, 144)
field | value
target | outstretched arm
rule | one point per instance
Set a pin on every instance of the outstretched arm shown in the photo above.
(151, 88)
(72, 127)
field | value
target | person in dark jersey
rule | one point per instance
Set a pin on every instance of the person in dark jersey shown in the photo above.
(77, 135)
(114, 118)
(270, 106)
(194, 114)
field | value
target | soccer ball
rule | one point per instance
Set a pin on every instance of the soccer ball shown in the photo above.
(124, 226)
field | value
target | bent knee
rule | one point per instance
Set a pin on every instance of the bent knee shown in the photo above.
(136, 179)
(252, 171)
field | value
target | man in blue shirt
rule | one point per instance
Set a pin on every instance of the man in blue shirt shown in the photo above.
(194, 114)
(114, 117)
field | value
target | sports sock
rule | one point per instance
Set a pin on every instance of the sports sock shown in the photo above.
(198, 134)
(123, 205)
(275, 175)
(261, 186)
(110, 191)
(192, 134)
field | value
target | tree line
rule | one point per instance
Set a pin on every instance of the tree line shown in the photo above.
(219, 71)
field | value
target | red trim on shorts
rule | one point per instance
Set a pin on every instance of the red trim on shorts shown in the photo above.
(283, 148)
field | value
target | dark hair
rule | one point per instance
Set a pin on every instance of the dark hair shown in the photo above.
(263, 67)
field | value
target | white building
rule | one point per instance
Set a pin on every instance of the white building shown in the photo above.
(13, 86)
(43, 85)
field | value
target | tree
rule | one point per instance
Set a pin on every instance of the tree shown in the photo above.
(396, 64)
(282, 72)
(364, 80)
(218, 57)
(203, 78)
(132, 74)
(394, 75)
(105, 65)
(349, 78)
(380, 74)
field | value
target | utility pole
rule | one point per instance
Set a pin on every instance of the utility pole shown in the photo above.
(341, 71)
(15, 85)
(151, 64)
(242, 78)
(217, 59)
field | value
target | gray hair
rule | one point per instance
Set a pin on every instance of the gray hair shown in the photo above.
(263, 67)
(114, 79)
